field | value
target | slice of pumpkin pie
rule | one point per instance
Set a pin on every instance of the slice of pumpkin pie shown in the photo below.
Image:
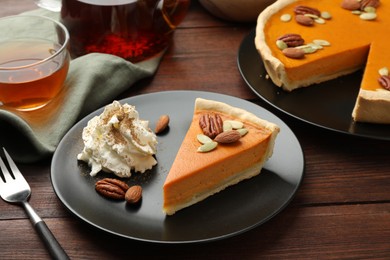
(223, 146)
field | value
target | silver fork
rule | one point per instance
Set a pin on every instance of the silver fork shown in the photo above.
(15, 189)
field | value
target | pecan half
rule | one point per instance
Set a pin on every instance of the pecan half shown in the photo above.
(292, 39)
(384, 81)
(301, 9)
(369, 3)
(111, 188)
(211, 125)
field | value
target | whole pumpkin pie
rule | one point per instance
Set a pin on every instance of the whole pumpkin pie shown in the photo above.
(223, 146)
(304, 42)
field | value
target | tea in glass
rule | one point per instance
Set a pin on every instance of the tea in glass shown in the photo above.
(33, 63)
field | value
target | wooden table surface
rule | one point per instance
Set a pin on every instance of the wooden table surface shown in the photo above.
(342, 209)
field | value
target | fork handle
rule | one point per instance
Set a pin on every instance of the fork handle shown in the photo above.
(51, 243)
(55, 249)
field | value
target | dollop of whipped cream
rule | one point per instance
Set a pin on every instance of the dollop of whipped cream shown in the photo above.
(118, 141)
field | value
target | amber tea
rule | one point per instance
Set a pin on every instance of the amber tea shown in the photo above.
(132, 29)
(34, 61)
(25, 87)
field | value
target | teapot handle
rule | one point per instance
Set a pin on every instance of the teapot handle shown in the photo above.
(51, 5)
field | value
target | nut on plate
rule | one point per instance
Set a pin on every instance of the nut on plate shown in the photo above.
(133, 194)
(162, 124)
(111, 188)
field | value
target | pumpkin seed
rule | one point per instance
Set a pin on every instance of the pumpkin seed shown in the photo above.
(281, 44)
(368, 16)
(315, 46)
(227, 126)
(242, 131)
(321, 42)
(370, 9)
(319, 20)
(384, 71)
(285, 17)
(207, 147)
(357, 12)
(313, 16)
(326, 15)
(307, 49)
(235, 124)
(203, 138)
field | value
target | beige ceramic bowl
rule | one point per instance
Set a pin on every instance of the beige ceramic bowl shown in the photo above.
(236, 10)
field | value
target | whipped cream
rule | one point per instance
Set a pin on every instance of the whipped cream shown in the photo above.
(118, 141)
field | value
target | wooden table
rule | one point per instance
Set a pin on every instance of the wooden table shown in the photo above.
(342, 209)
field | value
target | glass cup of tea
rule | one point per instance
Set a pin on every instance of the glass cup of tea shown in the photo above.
(135, 30)
(34, 61)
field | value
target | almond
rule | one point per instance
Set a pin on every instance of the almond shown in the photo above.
(228, 137)
(162, 124)
(294, 53)
(133, 194)
(350, 5)
(304, 20)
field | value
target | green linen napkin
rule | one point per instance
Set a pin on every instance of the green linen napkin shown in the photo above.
(93, 81)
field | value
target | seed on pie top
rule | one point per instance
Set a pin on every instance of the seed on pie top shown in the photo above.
(326, 15)
(227, 126)
(207, 147)
(369, 9)
(357, 12)
(235, 124)
(307, 48)
(384, 71)
(242, 131)
(315, 46)
(319, 20)
(321, 42)
(285, 17)
(368, 16)
(203, 138)
(281, 44)
(312, 16)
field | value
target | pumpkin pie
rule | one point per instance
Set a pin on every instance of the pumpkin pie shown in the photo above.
(197, 174)
(337, 38)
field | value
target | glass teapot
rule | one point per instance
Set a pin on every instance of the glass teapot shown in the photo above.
(132, 29)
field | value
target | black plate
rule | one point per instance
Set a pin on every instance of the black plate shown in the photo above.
(328, 105)
(254, 201)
